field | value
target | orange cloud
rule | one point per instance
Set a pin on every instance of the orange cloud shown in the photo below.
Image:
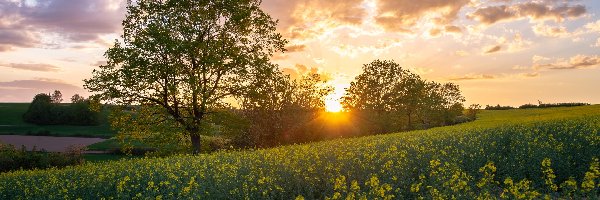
(299, 70)
(402, 15)
(550, 31)
(532, 10)
(295, 48)
(32, 67)
(299, 18)
(575, 62)
(493, 49)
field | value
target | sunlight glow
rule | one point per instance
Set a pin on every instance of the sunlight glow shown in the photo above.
(332, 101)
(333, 106)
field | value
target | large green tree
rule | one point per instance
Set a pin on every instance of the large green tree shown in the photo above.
(185, 58)
(396, 99)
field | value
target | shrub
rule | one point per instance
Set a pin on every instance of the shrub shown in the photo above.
(498, 107)
(526, 106)
(46, 110)
(12, 158)
(462, 119)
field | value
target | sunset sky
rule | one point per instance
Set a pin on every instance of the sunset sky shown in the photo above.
(499, 51)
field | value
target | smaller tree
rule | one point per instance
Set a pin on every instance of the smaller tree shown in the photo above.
(56, 97)
(473, 111)
(40, 110)
(278, 108)
(77, 99)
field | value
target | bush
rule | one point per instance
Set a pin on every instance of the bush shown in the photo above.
(43, 110)
(498, 107)
(552, 105)
(462, 119)
(15, 159)
(526, 106)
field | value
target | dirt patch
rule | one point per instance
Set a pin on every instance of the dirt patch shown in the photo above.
(51, 144)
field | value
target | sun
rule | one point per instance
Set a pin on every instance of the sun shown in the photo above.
(333, 105)
(332, 101)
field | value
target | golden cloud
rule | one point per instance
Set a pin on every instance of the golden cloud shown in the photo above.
(402, 15)
(574, 62)
(306, 18)
(550, 31)
(493, 49)
(40, 67)
(539, 11)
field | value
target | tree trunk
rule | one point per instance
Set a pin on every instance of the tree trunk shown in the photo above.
(409, 120)
(195, 137)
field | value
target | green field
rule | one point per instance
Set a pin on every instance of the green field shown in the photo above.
(512, 154)
(11, 123)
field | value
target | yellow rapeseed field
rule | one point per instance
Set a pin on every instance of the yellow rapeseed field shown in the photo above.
(513, 154)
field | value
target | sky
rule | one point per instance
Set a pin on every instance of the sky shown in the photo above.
(507, 52)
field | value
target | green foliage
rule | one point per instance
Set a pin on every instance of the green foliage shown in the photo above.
(498, 107)
(552, 105)
(526, 106)
(40, 110)
(47, 110)
(183, 59)
(21, 159)
(387, 92)
(472, 111)
(279, 109)
(502, 155)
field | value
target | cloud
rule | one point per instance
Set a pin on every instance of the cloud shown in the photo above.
(295, 48)
(299, 70)
(493, 49)
(510, 45)
(453, 29)
(25, 90)
(492, 14)
(307, 18)
(461, 53)
(469, 77)
(574, 62)
(402, 15)
(473, 77)
(537, 58)
(593, 26)
(538, 11)
(32, 67)
(597, 43)
(10, 39)
(549, 31)
(22, 23)
(98, 63)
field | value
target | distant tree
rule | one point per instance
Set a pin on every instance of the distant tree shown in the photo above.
(392, 99)
(373, 89)
(44, 111)
(526, 106)
(40, 110)
(473, 110)
(56, 97)
(182, 59)
(77, 99)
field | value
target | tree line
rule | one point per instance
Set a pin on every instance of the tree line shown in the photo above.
(47, 109)
(539, 105)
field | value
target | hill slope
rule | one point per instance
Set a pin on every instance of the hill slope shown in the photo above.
(509, 154)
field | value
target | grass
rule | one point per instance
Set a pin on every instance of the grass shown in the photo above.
(11, 123)
(513, 154)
